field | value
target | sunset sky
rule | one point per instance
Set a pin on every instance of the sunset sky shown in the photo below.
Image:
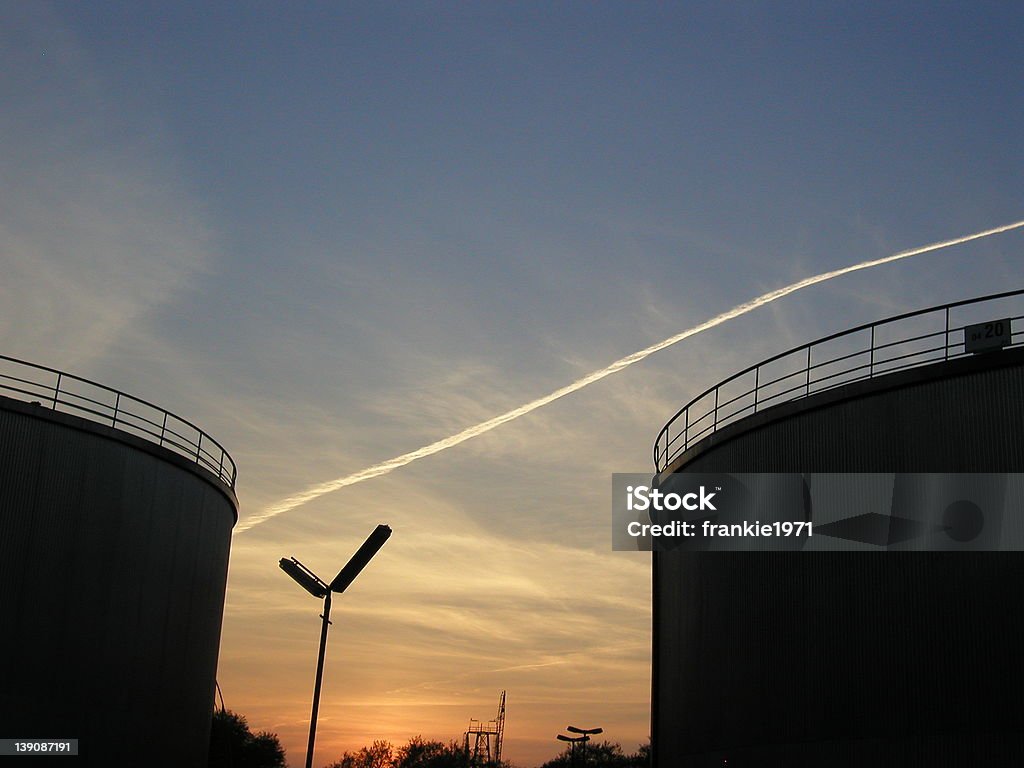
(333, 233)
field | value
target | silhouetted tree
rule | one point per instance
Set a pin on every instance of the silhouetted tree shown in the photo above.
(642, 757)
(418, 753)
(602, 755)
(380, 755)
(233, 745)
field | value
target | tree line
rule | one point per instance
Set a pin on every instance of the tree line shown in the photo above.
(233, 745)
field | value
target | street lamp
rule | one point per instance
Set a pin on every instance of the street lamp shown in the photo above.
(316, 586)
(586, 733)
(573, 741)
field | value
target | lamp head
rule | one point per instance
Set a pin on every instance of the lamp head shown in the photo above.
(304, 577)
(359, 560)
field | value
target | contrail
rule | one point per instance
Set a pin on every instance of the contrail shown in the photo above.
(385, 467)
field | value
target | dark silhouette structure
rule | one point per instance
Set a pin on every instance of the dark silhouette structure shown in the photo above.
(479, 749)
(115, 526)
(579, 740)
(881, 658)
(318, 588)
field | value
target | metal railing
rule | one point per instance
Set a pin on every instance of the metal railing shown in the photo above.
(64, 392)
(884, 346)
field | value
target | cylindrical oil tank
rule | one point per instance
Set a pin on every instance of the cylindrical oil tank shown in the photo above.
(113, 565)
(850, 658)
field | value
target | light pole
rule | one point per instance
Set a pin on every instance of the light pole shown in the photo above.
(586, 733)
(573, 741)
(318, 588)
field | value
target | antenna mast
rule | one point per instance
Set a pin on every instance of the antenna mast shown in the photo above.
(484, 753)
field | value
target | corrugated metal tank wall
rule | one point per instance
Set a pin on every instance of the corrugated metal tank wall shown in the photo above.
(113, 566)
(843, 659)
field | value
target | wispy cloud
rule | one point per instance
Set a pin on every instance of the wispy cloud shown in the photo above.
(96, 227)
(483, 427)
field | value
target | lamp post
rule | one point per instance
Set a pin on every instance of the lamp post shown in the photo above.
(573, 741)
(585, 734)
(318, 588)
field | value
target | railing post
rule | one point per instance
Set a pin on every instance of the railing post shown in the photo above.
(807, 387)
(715, 427)
(163, 429)
(56, 390)
(686, 430)
(117, 404)
(199, 447)
(871, 367)
(757, 379)
(945, 348)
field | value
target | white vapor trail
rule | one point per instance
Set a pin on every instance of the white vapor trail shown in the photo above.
(385, 467)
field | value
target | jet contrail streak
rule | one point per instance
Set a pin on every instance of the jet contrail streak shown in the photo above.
(385, 467)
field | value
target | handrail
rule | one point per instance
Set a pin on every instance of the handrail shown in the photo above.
(875, 359)
(72, 394)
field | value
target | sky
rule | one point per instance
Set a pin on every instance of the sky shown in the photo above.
(333, 233)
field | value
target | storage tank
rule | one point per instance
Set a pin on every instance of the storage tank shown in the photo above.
(891, 658)
(115, 528)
